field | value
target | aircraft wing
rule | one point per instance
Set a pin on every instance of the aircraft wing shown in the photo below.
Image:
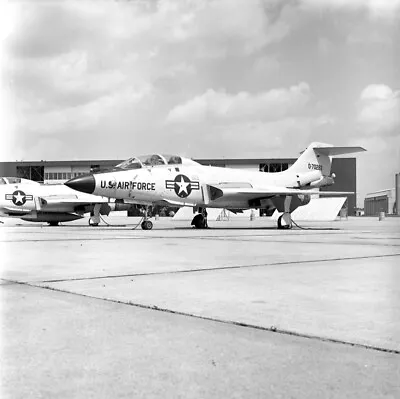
(70, 200)
(16, 211)
(253, 193)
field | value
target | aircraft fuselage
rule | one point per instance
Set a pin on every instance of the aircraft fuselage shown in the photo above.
(184, 185)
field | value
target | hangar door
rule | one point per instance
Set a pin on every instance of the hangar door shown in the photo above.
(373, 206)
(35, 173)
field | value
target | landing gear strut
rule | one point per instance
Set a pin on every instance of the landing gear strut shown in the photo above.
(146, 224)
(200, 220)
(285, 220)
(94, 219)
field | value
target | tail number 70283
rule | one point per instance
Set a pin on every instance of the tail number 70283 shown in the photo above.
(314, 166)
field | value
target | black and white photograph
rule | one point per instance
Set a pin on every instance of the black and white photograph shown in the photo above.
(199, 199)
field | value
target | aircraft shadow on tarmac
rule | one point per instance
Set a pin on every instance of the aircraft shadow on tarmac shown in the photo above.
(188, 228)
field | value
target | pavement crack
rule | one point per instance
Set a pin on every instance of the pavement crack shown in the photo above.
(271, 329)
(218, 268)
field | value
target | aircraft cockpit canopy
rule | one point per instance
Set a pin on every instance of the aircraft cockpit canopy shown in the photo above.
(150, 160)
(16, 180)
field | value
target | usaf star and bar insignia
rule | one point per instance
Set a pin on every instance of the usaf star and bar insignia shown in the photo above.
(18, 197)
(182, 185)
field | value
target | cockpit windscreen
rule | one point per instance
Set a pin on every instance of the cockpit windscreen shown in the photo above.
(150, 160)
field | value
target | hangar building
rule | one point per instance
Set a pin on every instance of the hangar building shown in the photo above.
(51, 172)
(380, 201)
(383, 201)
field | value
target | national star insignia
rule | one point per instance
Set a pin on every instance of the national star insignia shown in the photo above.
(183, 186)
(19, 198)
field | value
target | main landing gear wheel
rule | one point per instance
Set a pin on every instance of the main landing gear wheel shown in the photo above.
(91, 223)
(147, 225)
(53, 224)
(199, 222)
(285, 221)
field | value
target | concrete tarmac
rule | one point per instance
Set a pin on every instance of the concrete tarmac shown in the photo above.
(239, 310)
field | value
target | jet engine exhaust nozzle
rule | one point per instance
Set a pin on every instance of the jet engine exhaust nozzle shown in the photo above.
(85, 184)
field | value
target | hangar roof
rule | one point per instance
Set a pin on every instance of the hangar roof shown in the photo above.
(220, 161)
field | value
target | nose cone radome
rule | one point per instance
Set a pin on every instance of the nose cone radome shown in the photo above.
(85, 184)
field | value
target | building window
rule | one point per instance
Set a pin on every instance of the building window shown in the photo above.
(46, 176)
(64, 176)
(24, 172)
(275, 167)
(263, 167)
(37, 173)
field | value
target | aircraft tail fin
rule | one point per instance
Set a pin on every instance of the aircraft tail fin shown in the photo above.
(318, 157)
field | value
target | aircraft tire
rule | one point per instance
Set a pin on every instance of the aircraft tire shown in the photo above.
(147, 225)
(283, 226)
(53, 224)
(199, 222)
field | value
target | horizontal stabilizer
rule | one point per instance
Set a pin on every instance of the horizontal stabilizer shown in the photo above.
(331, 151)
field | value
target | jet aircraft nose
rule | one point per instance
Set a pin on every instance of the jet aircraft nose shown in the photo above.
(85, 184)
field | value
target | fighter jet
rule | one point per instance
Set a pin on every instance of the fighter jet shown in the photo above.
(176, 181)
(52, 204)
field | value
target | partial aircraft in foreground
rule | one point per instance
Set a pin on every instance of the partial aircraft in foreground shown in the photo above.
(177, 181)
(52, 204)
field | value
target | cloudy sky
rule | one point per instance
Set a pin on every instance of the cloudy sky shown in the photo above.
(229, 78)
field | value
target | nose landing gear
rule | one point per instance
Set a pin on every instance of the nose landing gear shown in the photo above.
(146, 224)
(94, 219)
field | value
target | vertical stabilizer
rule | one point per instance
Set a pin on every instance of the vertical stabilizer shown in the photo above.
(313, 161)
(318, 157)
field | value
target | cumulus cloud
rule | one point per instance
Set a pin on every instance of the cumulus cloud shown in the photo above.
(213, 28)
(247, 139)
(221, 106)
(83, 71)
(379, 110)
(71, 64)
(83, 116)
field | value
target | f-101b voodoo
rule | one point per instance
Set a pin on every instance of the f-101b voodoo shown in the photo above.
(178, 181)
